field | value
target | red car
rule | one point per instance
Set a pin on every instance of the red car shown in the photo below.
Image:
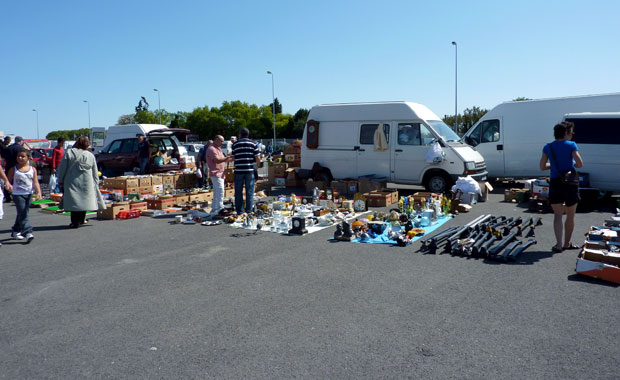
(42, 157)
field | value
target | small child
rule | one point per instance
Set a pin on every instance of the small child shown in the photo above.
(24, 179)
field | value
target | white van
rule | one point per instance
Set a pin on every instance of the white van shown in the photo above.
(343, 138)
(597, 135)
(511, 136)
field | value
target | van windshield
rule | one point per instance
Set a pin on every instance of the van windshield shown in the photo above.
(444, 131)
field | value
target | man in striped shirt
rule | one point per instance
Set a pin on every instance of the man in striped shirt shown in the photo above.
(246, 154)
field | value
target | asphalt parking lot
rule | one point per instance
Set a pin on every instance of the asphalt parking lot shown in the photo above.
(148, 299)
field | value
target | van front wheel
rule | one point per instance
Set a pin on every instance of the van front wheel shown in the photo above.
(437, 183)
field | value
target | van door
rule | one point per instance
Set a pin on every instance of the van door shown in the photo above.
(489, 142)
(97, 136)
(373, 154)
(412, 141)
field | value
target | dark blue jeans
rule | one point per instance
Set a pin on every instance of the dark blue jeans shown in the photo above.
(143, 162)
(246, 179)
(22, 206)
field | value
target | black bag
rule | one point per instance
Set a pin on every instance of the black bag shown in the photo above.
(570, 177)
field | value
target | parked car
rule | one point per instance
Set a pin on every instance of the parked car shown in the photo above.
(36, 143)
(193, 149)
(120, 155)
(42, 156)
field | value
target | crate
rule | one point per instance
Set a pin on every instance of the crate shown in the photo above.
(378, 198)
(160, 203)
(138, 206)
(112, 210)
(181, 199)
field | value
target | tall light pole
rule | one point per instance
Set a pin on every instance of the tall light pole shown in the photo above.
(158, 104)
(88, 104)
(35, 110)
(456, 113)
(273, 99)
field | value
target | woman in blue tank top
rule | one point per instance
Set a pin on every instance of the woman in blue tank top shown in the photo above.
(562, 155)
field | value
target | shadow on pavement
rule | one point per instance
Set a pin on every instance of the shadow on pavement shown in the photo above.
(590, 280)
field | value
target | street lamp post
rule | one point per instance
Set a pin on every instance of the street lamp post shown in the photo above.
(35, 110)
(456, 114)
(88, 104)
(158, 104)
(273, 100)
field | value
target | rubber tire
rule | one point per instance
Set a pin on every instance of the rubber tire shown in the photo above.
(437, 183)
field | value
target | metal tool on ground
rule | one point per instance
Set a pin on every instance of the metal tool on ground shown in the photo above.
(515, 254)
(503, 243)
(510, 248)
(510, 225)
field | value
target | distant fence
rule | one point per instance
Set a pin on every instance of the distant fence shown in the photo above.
(262, 141)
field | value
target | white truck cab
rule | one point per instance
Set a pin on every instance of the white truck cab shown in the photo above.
(388, 140)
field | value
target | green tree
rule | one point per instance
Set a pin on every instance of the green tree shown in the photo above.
(278, 106)
(520, 99)
(466, 120)
(71, 134)
(296, 124)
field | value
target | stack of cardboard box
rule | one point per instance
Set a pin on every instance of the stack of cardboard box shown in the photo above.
(292, 154)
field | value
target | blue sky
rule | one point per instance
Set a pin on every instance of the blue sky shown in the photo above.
(55, 54)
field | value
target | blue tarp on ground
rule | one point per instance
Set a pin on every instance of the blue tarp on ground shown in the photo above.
(383, 238)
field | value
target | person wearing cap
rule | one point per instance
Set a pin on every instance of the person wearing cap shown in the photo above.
(143, 152)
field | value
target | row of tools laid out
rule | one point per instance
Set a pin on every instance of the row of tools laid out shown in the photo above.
(488, 236)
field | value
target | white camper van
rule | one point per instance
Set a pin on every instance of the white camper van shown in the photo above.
(511, 136)
(597, 135)
(386, 139)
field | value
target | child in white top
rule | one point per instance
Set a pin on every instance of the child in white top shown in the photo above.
(24, 179)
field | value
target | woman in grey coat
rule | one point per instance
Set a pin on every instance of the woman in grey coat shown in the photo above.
(79, 177)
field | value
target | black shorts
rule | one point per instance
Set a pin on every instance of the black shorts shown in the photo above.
(562, 193)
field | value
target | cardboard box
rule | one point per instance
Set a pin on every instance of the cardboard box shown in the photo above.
(378, 198)
(366, 186)
(540, 189)
(280, 169)
(598, 270)
(194, 198)
(512, 194)
(146, 189)
(132, 182)
(485, 188)
(271, 174)
(207, 196)
(157, 189)
(122, 183)
(132, 190)
(395, 196)
(339, 186)
(293, 183)
(181, 199)
(229, 193)
(168, 180)
(602, 256)
(156, 180)
(112, 210)
(139, 205)
(188, 165)
(160, 203)
(351, 187)
(291, 173)
(145, 181)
